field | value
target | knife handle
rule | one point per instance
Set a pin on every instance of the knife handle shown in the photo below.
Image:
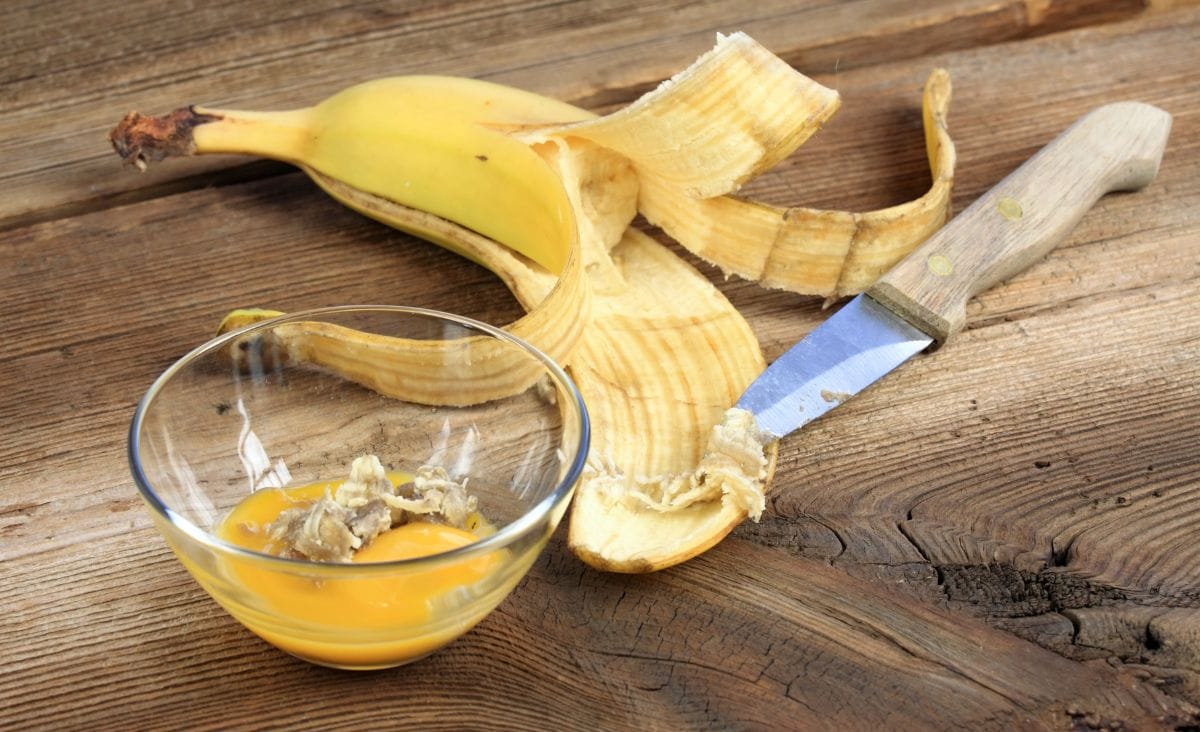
(1116, 147)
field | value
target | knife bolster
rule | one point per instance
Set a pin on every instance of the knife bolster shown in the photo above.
(939, 321)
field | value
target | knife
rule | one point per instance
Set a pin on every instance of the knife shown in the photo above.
(921, 302)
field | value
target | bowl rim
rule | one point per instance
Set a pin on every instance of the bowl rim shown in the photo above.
(506, 535)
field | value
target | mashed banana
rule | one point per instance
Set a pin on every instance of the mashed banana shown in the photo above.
(365, 506)
(733, 468)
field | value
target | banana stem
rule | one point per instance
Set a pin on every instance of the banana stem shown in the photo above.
(142, 139)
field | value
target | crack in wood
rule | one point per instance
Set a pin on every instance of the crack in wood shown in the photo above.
(1010, 592)
(257, 170)
(901, 527)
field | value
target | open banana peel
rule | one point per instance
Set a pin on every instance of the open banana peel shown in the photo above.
(543, 194)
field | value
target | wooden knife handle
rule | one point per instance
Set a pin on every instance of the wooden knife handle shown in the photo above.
(1116, 147)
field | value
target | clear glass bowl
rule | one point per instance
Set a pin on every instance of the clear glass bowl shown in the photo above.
(293, 401)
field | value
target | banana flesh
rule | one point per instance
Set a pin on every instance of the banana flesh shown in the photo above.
(658, 353)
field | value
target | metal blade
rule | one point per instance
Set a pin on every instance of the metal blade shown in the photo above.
(844, 355)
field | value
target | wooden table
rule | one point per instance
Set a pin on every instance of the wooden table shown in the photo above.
(1003, 534)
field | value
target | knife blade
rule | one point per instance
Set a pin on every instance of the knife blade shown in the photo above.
(921, 302)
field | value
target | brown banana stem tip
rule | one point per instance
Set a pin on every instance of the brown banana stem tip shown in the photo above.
(140, 139)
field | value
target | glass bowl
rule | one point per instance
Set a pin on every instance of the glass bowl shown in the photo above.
(292, 401)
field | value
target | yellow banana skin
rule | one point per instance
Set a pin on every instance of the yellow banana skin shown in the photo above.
(811, 251)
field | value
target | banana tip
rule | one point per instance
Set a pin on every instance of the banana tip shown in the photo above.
(142, 139)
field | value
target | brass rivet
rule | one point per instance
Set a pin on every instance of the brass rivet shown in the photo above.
(940, 265)
(1010, 208)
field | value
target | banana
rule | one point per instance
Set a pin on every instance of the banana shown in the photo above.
(543, 194)
(420, 154)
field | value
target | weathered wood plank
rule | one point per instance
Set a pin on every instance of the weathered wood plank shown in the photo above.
(987, 478)
(773, 641)
(68, 74)
(218, 226)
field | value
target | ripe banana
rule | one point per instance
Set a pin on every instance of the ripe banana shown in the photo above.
(543, 194)
(420, 154)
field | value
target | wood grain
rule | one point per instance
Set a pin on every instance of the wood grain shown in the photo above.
(1000, 535)
(772, 640)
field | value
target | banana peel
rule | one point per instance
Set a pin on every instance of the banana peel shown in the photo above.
(805, 250)
(658, 353)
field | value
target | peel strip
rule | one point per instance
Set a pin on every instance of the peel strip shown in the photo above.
(812, 251)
